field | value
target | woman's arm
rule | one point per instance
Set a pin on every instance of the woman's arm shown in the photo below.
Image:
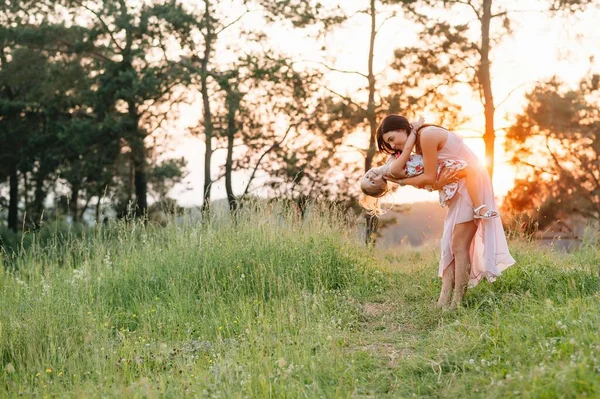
(446, 176)
(396, 166)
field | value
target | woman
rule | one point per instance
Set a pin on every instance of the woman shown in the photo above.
(472, 247)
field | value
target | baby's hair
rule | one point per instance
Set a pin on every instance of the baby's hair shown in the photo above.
(371, 205)
(370, 200)
(375, 192)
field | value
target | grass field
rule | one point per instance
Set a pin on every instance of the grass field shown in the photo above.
(271, 306)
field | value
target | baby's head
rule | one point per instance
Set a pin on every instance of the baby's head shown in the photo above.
(373, 184)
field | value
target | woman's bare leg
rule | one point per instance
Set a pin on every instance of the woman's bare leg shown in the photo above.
(461, 244)
(447, 286)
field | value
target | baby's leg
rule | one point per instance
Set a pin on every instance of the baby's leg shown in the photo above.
(472, 187)
(475, 193)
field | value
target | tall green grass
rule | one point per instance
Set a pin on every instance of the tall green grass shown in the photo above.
(271, 305)
(242, 307)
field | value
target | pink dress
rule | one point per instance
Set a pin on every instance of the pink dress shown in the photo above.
(489, 250)
(415, 166)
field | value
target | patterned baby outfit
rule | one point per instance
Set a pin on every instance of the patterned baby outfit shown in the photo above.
(414, 166)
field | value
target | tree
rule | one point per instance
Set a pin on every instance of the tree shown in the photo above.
(305, 172)
(75, 100)
(555, 143)
(233, 93)
(16, 85)
(17, 76)
(265, 99)
(32, 111)
(310, 166)
(198, 34)
(137, 73)
(448, 56)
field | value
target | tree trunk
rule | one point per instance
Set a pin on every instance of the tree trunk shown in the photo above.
(371, 116)
(26, 194)
(208, 127)
(138, 149)
(489, 137)
(140, 177)
(372, 221)
(138, 156)
(131, 184)
(84, 208)
(228, 171)
(98, 208)
(74, 203)
(372, 229)
(232, 106)
(13, 203)
(37, 206)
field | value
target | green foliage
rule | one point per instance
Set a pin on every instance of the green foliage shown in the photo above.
(555, 141)
(303, 14)
(77, 99)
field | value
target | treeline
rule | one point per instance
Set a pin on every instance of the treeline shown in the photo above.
(89, 90)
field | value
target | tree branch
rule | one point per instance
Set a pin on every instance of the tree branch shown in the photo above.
(231, 23)
(341, 70)
(348, 99)
(67, 51)
(500, 14)
(383, 23)
(361, 150)
(512, 91)
(468, 3)
(219, 177)
(110, 33)
(161, 94)
(271, 148)
(584, 193)
(591, 173)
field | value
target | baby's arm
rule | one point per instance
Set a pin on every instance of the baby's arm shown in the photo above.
(385, 170)
(394, 179)
(396, 166)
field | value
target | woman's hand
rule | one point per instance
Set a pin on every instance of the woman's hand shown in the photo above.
(416, 125)
(448, 176)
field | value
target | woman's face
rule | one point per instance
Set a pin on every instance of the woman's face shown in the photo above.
(395, 139)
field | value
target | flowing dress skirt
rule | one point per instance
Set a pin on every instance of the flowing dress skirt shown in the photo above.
(489, 251)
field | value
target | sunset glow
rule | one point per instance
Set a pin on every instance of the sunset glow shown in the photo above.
(553, 47)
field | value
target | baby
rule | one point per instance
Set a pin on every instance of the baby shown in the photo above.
(374, 182)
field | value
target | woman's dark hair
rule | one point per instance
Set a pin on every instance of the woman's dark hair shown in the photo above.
(391, 123)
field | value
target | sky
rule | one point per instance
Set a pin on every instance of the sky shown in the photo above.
(539, 48)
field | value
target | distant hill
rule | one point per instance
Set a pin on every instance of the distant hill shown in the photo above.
(417, 224)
